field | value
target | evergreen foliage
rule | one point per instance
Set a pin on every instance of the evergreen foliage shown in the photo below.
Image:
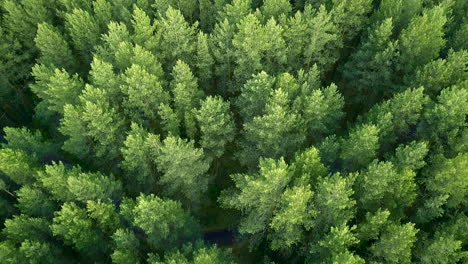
(240, 131)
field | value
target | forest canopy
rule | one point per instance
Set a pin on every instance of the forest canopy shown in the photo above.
(233, 131)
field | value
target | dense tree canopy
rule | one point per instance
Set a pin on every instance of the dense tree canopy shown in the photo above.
(233, 131)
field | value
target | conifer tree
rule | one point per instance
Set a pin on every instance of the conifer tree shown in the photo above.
(360, 147)
(423, 39)
(216, 126)
(205, 62)
(126, 247)
(313, 131)
(102, 10)
(442, 73)
(257, 47)
(448, 177)
(143, 30)
(401, 12)
(186, 96)
(395, 244)
(276, 8)
(142, 94)
(257, 195)
(17, 165)
(77, 229)
(321, 111)
(177, 38)
(351, 16)
(223, 53)
(55, 52)
(112, 43)
(164, 222)
(93, 126)
(445, 121)
(382, 186)
(371, 69)
(184, 170)
(56, 87)
(84, 31)
(138, 151)
(277, 133)
(318, 26)
(293, 217)
(254, 96)
(207, 12)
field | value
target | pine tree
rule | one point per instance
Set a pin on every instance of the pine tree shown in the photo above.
(186, 7)
(333, 202)
(458, 40)
(94, 126)
(170, 121)
(58, 88)
(382, 186)
(33, 143)
(410, 156)
(223, 53)
(257, 47)
(93, 186)
(293, 216)
(142, 94)
(22, 18)
(178, 38)
(55, 51)
(254, 96)
(257, 195)
(126, 247)
(397, 116)
(78, 230)
(164, 222)
(216, 126)
(84, 31)
(35, 202)
(423, 39)
(117, 34)
(102, 10)
(371, 70)
(143, 30)
(445, 121)
(70, 5)
(308, 167)
(401, 12)
(186, 96)
(443, 249)
(235, 11)
(184, 169)
(449, 177)
(18, 166)
(351, 16)
(360, 147)
(39, 252)
(277, 133)
(395, 244)
(138, 150)
(207, 12)
(321, 111)
(205, 62)
(22, 227)
(326, 42)
(275, 9)
(53, 179)
(442, 73)
(102, 76)
(335, 246)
